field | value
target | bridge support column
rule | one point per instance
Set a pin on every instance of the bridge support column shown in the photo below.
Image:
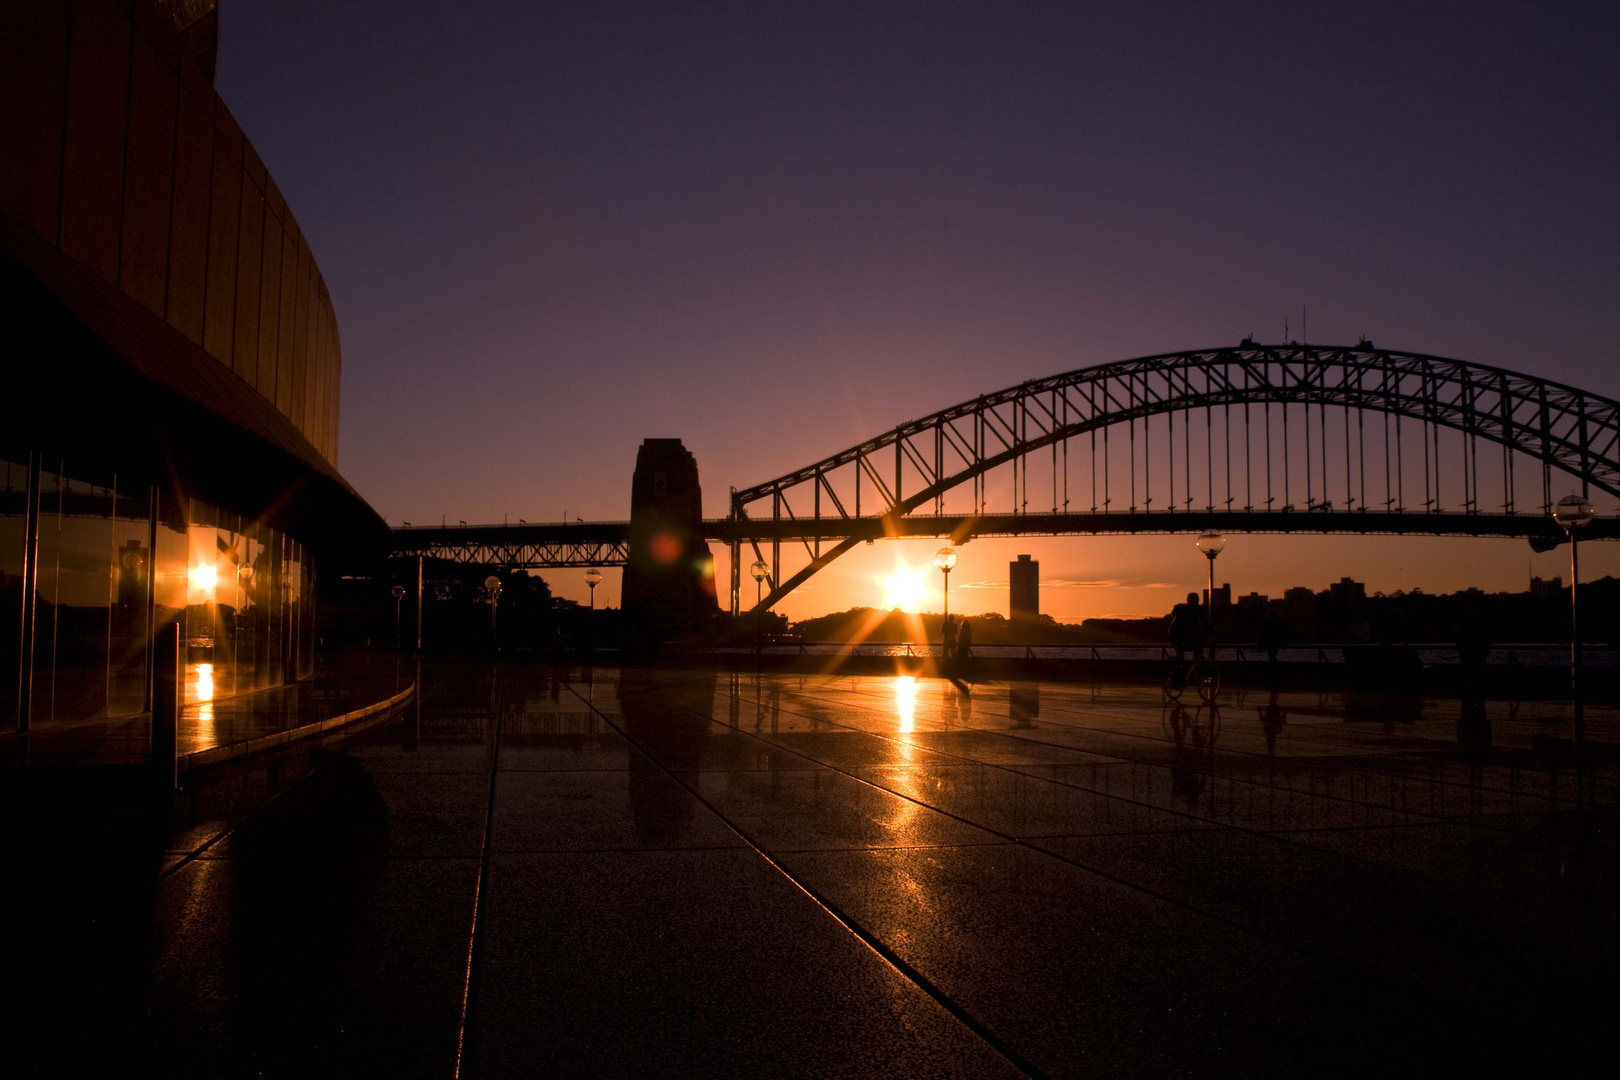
(669, 586)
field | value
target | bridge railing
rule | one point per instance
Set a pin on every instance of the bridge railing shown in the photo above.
(1517, 654)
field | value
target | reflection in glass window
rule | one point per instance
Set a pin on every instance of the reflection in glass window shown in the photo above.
(47, 548)
(131, 582)
(13, 529)
(108, 573)
(83, 598)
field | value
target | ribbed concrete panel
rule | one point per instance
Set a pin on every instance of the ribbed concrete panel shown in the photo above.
(116, 150)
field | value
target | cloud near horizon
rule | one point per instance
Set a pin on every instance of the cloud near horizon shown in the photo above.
(1049, 583)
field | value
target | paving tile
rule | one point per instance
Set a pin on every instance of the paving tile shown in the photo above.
(732, 971)
(308, 963)
(1085, 975)
(619, 811)
(825, 809)
(1020, 805)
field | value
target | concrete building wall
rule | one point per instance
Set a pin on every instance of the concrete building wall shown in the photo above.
(115, 149)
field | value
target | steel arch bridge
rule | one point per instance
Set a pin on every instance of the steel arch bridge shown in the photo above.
(1255, 438)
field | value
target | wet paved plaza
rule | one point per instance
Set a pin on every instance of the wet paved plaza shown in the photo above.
(536, 871)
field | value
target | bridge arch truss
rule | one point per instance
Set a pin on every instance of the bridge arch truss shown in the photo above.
(1253, 438)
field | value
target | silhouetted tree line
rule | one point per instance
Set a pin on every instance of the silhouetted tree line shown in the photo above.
(1339, 614)
(359, 609)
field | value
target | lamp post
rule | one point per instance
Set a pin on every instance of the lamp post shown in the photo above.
(593, 578)
(398, 593)
(1211, 543)
(1571, 513)
(945, 558)
(493, 584)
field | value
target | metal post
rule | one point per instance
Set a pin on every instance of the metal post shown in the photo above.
(736, 573)
(419, 603)
(759, 624)
(25, 661)
(1575, 640)
(1209, 608)
(168, 694)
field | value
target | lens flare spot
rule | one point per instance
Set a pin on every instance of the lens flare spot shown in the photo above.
(665, 547)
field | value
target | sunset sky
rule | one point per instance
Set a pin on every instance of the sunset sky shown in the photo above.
(774, 230)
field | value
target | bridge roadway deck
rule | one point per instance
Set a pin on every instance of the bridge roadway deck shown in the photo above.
(588, 543)
(680, 873)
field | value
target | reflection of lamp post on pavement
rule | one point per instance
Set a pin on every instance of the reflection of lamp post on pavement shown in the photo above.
(759, 570)
(1572, 512)
(1211, 543)
(493, 584)
(593, 578)
(398, 593)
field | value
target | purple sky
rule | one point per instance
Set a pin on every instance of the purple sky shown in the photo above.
(773, 230)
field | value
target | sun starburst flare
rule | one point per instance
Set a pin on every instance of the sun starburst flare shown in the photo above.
(908, 588)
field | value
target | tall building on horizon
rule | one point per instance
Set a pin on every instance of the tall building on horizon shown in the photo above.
(1024, 589)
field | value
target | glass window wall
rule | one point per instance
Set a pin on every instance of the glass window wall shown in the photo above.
(115, 560)
(13, 529)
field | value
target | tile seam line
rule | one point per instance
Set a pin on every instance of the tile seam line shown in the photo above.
(480, 885)
(857, 930)
(1108, 711)
(1399, 755)
(1239, 754)
(1374, 977)
(1206, 823)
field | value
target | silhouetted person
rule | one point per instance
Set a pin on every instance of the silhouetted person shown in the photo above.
(1185, 782)
(1272, 635)
(1024, 703)
(964, 646)
(1473, 729)
(1187, 628)
(1272, 719)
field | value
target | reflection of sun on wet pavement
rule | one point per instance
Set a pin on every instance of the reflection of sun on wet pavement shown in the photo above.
(905, 701)
(202, 692)
(203, 684)
(905, 811)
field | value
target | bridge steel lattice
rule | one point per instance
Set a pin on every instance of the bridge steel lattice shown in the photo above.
(592, 543)
(1261, 438)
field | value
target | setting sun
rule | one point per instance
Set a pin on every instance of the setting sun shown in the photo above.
(907, 588)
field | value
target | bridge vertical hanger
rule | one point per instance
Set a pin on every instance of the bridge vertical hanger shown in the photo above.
(736, 553)
(816, 513)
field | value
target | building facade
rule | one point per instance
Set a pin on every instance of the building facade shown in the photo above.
(1024, 589)
(170, 423)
